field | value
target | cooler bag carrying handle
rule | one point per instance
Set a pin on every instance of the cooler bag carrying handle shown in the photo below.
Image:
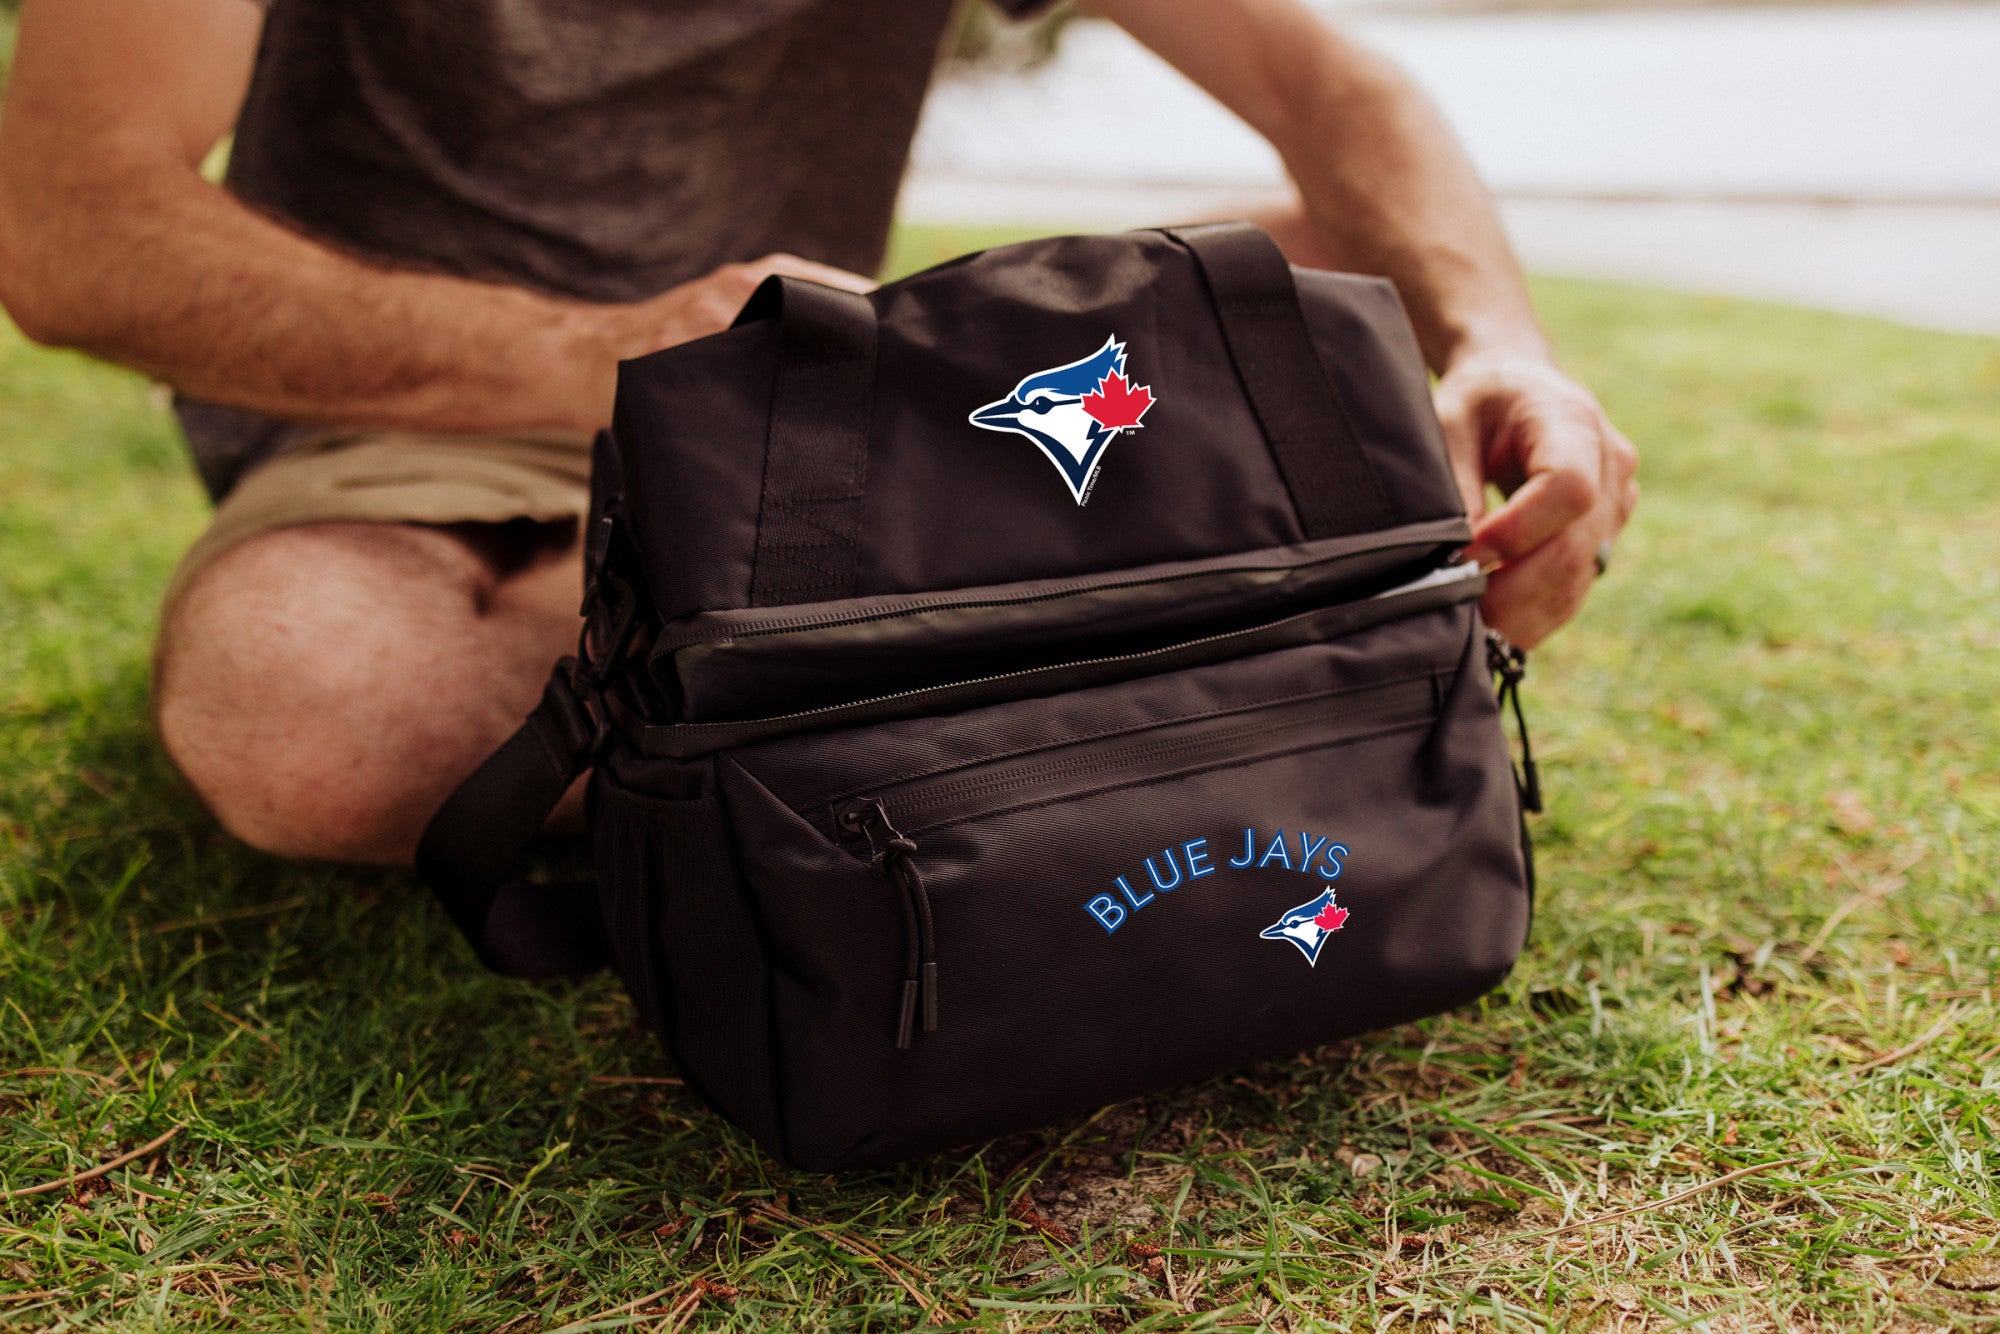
(816, 453)
(808, 549)
(1332, 483)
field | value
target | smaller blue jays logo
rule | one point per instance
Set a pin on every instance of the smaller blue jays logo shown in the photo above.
(1073, 412)
(1308, 925)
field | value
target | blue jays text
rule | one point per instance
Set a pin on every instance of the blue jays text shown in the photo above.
(1191, 861)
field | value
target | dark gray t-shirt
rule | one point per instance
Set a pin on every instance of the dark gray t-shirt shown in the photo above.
(599, 149)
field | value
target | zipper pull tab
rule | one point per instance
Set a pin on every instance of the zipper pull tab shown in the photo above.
(884, 839)
(890, 857)
(1510, 664)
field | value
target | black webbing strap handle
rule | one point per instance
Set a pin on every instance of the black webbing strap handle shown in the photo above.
(1332, 483)
(816, 453)
(471, 853)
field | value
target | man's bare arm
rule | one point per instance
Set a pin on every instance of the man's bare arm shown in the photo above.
(1387, 190)
(1386, 187)
(110, 241)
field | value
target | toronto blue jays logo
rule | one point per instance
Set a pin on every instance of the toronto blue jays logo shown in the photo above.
(1180, 865)
(1073, 412)
(1309, 925)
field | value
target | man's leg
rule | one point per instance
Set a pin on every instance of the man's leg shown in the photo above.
(325, 687)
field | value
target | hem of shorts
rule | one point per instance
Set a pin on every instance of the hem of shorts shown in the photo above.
(210, 547)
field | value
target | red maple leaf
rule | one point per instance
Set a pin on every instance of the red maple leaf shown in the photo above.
(1331, 917)
(1117, 403)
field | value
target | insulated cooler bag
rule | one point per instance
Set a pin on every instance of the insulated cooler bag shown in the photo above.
(1041, 682)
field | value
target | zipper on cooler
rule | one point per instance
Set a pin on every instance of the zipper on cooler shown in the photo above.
(1510, 665)
(1159, 751)
(1447, 587)
(891, 859)
(1429, 553)
(929, 803)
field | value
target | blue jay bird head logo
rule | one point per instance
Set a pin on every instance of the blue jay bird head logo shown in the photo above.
(1073, 412)
(1308, 925)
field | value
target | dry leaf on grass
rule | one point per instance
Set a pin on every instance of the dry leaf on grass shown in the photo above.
(1974, 1273)
(1850, 812)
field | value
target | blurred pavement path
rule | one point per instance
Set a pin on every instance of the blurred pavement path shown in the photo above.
(1841, 157)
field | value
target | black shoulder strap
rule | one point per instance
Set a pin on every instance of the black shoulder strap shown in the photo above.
(471, 852)
(1333, 484)
(816, 455)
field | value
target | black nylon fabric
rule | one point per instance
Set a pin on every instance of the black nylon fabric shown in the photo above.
(1137, 769)
(952, 505)
(712, 1006)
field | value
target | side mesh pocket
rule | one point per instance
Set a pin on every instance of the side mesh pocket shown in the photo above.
(689, 947)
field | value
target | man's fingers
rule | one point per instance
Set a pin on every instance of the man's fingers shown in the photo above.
(709, 304)
(1545, 505)
(1621, 467)
(794, 267)
(1528, 599)
(1571, 477)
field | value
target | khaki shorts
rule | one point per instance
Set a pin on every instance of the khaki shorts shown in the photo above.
(398, 477)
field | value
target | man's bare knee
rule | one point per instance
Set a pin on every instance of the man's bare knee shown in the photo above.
(292, 683)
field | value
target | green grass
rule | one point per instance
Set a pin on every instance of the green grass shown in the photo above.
(1767, 940)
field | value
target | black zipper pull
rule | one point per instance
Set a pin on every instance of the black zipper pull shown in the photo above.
(890, 857)
(1510, 664)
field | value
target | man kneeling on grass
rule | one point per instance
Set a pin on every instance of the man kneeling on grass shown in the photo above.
(395, 327)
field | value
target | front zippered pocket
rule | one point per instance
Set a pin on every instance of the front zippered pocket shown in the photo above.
(889, 820)
(1064, 897)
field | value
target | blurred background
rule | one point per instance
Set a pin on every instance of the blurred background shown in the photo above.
(1845, 156)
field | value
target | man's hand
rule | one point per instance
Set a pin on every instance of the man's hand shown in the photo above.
(1568, 474)
(709, 304)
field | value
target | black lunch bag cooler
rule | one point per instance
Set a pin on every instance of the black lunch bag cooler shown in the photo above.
(1043, 681)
